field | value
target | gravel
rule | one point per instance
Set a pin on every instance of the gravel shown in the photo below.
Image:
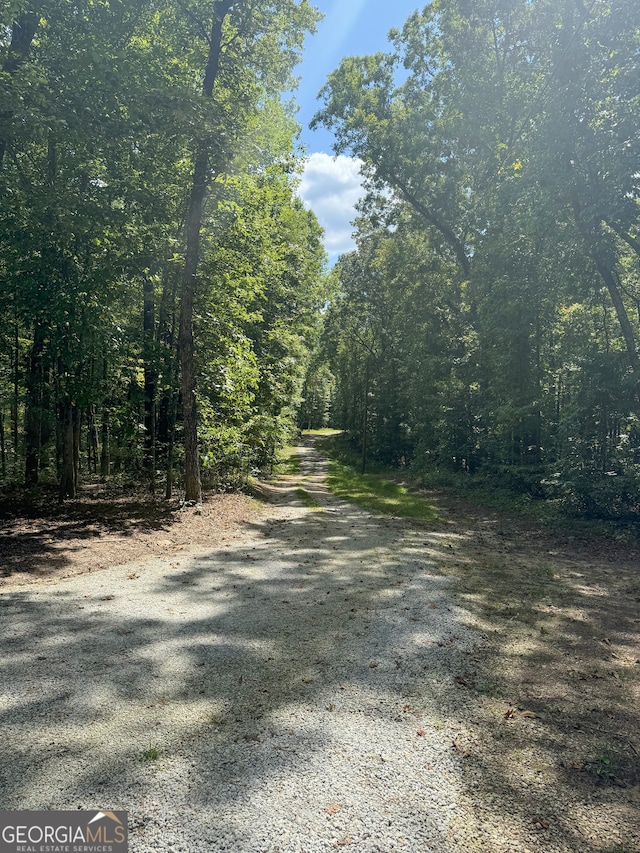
(294, 690)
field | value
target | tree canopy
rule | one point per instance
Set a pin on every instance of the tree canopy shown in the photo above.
(165, 306)
(160, 280)
(489, 319)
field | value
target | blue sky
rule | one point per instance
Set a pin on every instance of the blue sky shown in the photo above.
(350, 27)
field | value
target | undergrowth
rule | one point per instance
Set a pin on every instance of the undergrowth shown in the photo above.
(551, 514)
(287, 462)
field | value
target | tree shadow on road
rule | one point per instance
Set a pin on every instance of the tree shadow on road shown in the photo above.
(244, 668)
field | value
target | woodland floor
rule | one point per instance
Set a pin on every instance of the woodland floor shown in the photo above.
(42, 541)
(548, 708)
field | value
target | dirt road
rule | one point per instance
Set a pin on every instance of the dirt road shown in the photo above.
(321, 678)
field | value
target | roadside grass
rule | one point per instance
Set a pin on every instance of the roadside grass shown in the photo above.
(483, 494)
(548, 512)
(377, 494)
(287, 462)
(377, 490)
(307, 499)
(325, 431)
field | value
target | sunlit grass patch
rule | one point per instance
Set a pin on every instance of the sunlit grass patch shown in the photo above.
(309, 501)
(377, 494)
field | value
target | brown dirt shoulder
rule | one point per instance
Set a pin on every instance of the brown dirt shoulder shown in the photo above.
(42, 542)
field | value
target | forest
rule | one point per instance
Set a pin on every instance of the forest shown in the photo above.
(161, 282)
(488, 322)
(167, 315)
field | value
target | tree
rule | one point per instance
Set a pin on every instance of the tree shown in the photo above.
(271, 16)
(109, 144)
(510, 145)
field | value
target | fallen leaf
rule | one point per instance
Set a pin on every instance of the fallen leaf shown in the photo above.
(133, 576)
(421, 733)
(373, 665)
(459, 749)
(308, 680)
(541, 823)
(331, 707)
(342, 842)
(333, 808)
(510, 713)
(573, 765)
(461, 681)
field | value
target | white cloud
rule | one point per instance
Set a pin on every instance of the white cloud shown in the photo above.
(331, 187)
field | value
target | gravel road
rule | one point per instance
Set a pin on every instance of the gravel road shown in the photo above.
(294, 690)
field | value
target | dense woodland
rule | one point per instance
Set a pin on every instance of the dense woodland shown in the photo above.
(165, 311)
(160, 280)
(489, 320)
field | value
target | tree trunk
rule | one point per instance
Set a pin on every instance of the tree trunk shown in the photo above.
(365, 417)
(68, 481)
(166, 337)
(92, 440)
(173, 412)
(77, 423)
(105, 430)
(150, 381)
(3, 452)
(22, 34)
(593, 238)
(16, 394)
(105, 455)
(193, 486)
(33, 408)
